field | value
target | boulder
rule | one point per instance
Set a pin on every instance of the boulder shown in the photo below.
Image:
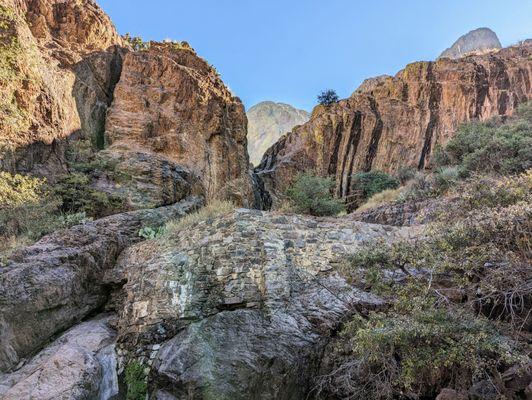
(239, 306)
(49, 286)
(80, 364)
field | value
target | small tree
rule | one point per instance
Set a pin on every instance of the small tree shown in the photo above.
(136, 42)
(373, 182)
(328, 97)
(311, 194)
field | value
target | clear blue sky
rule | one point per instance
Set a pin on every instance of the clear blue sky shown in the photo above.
(289, 50)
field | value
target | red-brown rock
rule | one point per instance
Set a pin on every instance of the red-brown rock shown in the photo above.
(397, 121)
(172, 103)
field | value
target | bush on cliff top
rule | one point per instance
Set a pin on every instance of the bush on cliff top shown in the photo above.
(311, 194)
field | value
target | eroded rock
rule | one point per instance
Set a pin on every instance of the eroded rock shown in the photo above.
(239, 307)
(58, 281)
(395, 122)
(171, 102)
(73, 367)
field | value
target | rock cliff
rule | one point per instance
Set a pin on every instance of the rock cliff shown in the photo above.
(394, 122)
(478, 41)
(267, 122)
(41, 45)
(172, 103)
(69, 77)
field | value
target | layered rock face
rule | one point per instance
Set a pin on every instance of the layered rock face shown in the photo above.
(172, 103)
(398, 121)
(41, 47)
(69, 76)
(478, 41)
(239, 307)
(267, 122)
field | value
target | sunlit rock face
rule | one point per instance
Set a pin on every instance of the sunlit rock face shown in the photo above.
(394, 122)
(267, 122)
(239, 306)
(43, 43)
(476, 42)
(172, 103)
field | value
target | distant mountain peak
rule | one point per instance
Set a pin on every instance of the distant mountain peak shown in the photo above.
(477, 41)
(267, 122)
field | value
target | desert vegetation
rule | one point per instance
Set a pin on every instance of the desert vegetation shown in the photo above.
(311, 194)
(459, 296)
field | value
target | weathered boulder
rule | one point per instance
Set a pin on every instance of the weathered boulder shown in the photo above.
(142, 179)
(395, 122)
(240, 306)
(171, 102)
(50, 286)
(80, 364)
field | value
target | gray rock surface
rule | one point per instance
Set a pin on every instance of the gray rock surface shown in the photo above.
(48, 287)
(239, 307)
(478, 41)
(70, 368)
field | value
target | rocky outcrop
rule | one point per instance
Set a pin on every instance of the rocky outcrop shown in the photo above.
(478, 41)
(57, 282)
(239, 307)
(80, 364)
(267, 122)
(69, 77)
(42, 45)
(398, 121)
(172, 103)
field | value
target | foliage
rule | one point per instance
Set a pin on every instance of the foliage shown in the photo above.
(373, 182)
(28, 211)
(405, 174)
(386, 196)
(491, 147)
(150, 233)
(449, 289)
(136, 381)
(77, 196)
(311, 194)
(328, 97)
(136, 42)
(205, 214)
(416, 349)
(16, 190)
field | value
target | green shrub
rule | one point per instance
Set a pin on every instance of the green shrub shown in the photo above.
(491, 147)
(328, 97)
(136, 42)
(311, 194)
(405, 174)
(368, 184)
(16, 190)
(418, 348)
(136, 381)
(77, 196)
(149, 233)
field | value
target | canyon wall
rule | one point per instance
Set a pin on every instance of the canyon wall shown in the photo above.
(69, 77)
(393, 122)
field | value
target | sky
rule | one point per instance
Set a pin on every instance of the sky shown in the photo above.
(290, 50)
